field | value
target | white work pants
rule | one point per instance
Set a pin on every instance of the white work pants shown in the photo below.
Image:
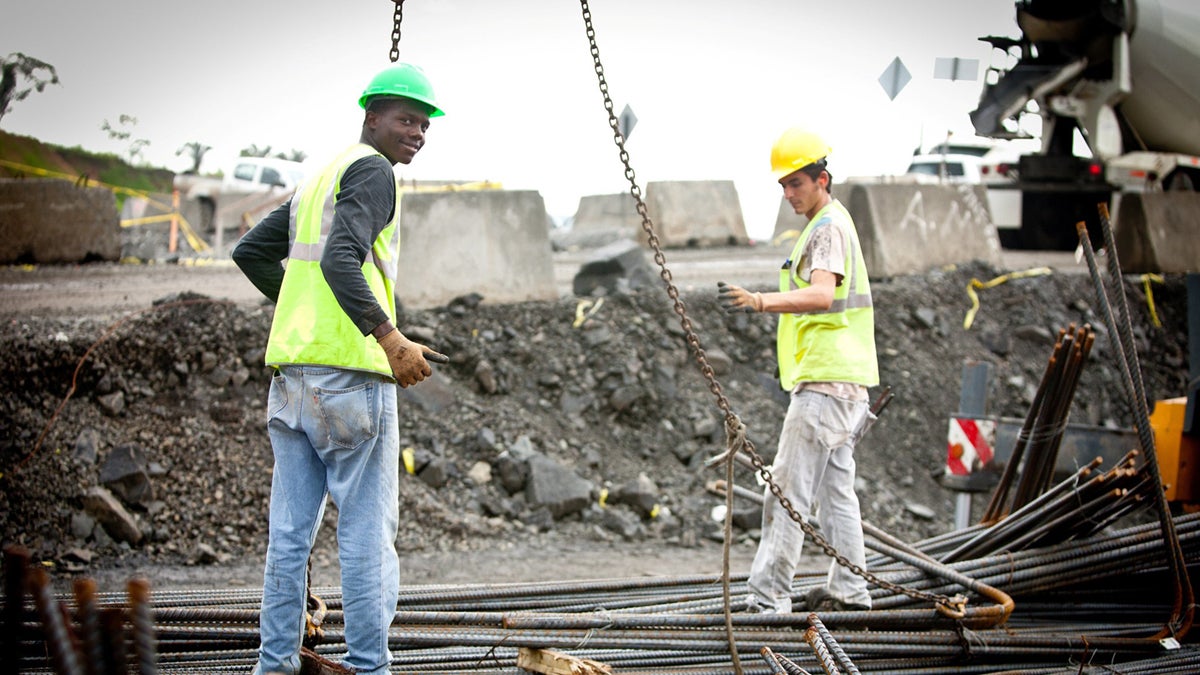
(815, 461)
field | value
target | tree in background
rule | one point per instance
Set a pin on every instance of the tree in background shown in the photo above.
(265, 151)
(18, 65)
(195, 151)
(255, 151)
(294, 155)
(123, 132)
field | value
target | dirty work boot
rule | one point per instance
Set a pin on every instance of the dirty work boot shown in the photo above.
(819, 600)
(755, 606)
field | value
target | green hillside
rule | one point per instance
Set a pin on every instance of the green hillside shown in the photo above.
(77, 163)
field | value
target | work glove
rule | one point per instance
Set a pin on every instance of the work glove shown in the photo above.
(736, 299)
(409, 360)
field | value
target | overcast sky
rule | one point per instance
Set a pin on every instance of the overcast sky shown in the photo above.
(712, 83)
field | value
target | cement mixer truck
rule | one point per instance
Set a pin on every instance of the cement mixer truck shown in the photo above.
(1122, 76)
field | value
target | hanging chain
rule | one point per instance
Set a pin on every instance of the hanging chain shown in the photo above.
(672, 292)
(397, 17)
(731, 420)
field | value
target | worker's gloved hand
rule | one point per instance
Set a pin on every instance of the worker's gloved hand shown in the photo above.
(408, 359)
(736, 299)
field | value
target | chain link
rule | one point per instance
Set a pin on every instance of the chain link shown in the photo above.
(397, 17)
(693, 340)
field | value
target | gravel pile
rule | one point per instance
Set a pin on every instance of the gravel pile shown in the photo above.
(166, 413)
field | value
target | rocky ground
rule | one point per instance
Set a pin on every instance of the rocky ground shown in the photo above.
(163, 408)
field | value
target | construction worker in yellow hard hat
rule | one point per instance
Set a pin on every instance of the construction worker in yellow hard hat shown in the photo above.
(338, 357)
(825, 348)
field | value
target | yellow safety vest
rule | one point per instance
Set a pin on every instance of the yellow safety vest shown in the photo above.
(838, 344)
(309, 326)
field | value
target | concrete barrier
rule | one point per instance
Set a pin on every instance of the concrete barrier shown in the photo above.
(233, 213)
(1157, 232)
(492, 242)
(601, 220)
(910, 228)
(684, 214)
(696, 213)
(907, 228)
(54, 221)
(148, 239)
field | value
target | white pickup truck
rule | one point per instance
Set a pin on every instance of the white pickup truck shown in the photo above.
(260, 174)
(248, 189)
(244, 175)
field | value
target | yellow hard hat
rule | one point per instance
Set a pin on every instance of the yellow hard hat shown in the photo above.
(796, 149)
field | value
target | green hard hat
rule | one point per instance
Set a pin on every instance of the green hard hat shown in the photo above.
(405, 80)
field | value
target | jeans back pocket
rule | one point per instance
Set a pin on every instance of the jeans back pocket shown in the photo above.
(349, 415)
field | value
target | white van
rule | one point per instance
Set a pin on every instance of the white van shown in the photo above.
(260, 174)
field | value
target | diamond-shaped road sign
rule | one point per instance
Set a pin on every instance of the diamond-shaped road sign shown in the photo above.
(894, 77)
(626, 122)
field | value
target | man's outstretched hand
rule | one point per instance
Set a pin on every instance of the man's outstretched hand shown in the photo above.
(735, 299)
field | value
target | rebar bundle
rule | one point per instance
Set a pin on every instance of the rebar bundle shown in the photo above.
(1044, 584)
(1036, 451)
(1090, 600)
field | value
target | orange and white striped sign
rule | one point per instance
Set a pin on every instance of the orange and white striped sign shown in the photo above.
(969, 444)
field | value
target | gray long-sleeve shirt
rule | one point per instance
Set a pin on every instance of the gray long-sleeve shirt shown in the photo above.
(365, 204)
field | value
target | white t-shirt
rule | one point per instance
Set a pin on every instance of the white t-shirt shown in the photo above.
(824, 251)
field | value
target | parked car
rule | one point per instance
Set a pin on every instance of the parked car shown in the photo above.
(260, 174)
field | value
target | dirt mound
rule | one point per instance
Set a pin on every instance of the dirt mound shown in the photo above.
(611, 392)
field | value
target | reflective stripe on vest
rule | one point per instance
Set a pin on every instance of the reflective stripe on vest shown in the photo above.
(837, 344)
(310, 326)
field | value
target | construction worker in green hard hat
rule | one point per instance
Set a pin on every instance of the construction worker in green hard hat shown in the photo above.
(338, 357)
(825, 348)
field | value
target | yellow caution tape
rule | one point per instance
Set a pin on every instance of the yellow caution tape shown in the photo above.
(581, 315)
(161, 218)
(74, 179)
(410, 464)
(456, 187)
(205, 262)
(194, 240)
(1146, 279)
(198, 245)
(784, 236)
(981, 285)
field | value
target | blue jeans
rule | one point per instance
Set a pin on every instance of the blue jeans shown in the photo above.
(334, 432)
(815, 463)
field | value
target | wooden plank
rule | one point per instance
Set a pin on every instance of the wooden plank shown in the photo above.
(549, 662)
